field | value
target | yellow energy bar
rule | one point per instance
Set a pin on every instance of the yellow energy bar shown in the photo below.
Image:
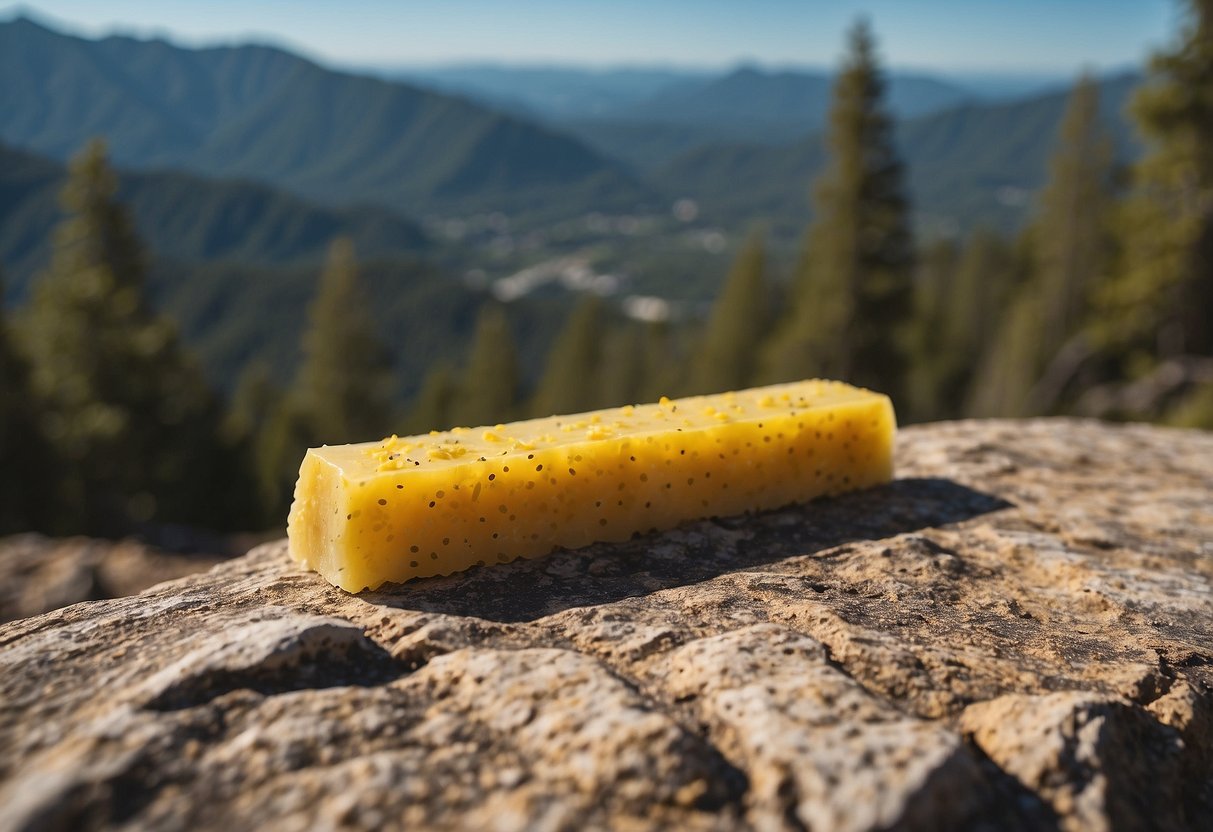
(432, 505)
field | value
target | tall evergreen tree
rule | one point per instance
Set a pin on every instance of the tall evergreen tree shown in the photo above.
(1071, 236)
(738, 323)
(570, 381)
(26, 483)
(665, 358)
(254, 398)
(271, 439)
(1159, 304)
(985, 278)
(125, 405)
(623, 365)
(1009, 368)
(936, 273)
(345, 388)
(1071, 247)
(431, 408)
(854, 295)
(280, 443)
(488, 393)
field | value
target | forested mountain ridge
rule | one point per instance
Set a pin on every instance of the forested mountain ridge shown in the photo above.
(549, 92)
(190, 218)
(747, 101)
(973, 163)
(780, 104)
(260, 112)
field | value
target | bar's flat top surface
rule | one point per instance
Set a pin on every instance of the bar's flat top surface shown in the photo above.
(443, 449)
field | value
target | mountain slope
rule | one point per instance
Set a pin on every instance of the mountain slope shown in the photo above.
(192, 219)
(235, 264)
(975, 163)
(232, 314)
(153, 102)
(259, 112)
(747, 105)
(788, 102)
(549, 92)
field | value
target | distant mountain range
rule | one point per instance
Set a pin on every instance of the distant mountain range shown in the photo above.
(550, 93)
(777, 106)
(259, 112)
(560, 94)
(745, 144)
(646, 117)
(747, 105)
(976, 163)
(240, 164)
(236, 264)
(189, 218)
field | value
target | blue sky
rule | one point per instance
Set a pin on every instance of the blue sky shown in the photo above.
(1030, 36)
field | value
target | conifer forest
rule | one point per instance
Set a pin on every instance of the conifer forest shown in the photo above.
(169, 366)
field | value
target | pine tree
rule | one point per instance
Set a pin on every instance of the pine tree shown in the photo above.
(665, 359)
(854, 293)
(729, 351)
(125, 405)
(27, 495)
(1009, 367)
(985, 277)
(1071, 247)
(344, 391)
(280, 444)
(1071, 233)
(570, 381)
(623, 365)
(271, 440)
(432, 406)
(488, 393)
(1159, 304)
(936, 273)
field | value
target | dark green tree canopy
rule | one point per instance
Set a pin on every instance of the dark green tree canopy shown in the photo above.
(27, 483)
(570, 381)
(623, 365)
(489, 389)
(271, 440)
(124, 403)
(854, 294)
(432, 407)
(345, 389)
(1072, 232)
(1070, 248)
(738, 323)
(1159, 304)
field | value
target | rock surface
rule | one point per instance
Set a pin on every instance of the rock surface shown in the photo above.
(1016, 634)
(39, 574)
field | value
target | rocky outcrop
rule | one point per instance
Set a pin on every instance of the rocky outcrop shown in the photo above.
(1017, 633)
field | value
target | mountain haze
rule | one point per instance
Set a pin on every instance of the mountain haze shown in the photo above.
(778, 105)
(647, 117)
(259, 112)
(971, 164)
(554, 93)
(745, 144)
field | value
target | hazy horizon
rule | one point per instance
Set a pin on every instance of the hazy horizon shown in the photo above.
(947, 38)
